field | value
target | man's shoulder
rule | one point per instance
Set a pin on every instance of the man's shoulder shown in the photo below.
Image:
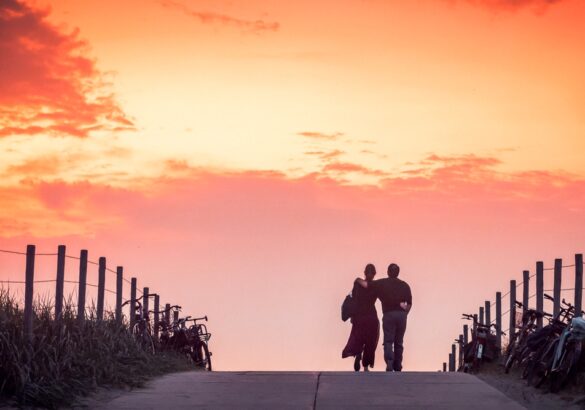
(404, 284)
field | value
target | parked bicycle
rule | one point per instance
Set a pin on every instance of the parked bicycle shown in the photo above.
(560, 343)
(482, 347)
(193, 341)
(200, 343)
(567, 354)
(141, 330)
(165, 326)
(518, 349)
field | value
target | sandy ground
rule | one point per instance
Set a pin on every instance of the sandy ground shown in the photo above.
(572, 397)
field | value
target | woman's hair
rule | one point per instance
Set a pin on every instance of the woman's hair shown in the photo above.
(370, 269)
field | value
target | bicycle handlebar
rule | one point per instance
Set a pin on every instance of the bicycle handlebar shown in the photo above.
(567, 303)
(196, 319)
(138, 304)
(165, 310)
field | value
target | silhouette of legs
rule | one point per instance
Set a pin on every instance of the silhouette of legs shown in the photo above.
(363, 340)
(399, 342)
(371, 337)
(394, 324)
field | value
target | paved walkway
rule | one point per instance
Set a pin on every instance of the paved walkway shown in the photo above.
(313, 390)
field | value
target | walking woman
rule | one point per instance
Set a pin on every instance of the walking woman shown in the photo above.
(365, 329)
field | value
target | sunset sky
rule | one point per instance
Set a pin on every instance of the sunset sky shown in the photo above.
(247, 159)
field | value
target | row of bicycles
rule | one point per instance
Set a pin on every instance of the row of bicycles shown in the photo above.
(187, 336)
(547, 356)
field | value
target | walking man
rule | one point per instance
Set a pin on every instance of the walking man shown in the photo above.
(396, 301)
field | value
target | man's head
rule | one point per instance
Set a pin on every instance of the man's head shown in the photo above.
(393, 270)
(370, 271)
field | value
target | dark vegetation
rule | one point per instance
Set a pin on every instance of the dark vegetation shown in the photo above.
(70, 358)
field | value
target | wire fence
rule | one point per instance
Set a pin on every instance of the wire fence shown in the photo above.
(485, 317)
(118, 299)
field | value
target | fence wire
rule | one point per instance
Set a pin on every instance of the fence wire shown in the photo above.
(507, 312)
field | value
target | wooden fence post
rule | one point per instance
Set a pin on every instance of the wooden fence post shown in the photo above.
(119, 290)
(512, 308)
(29, 292)
(488, 312)
(558, 279)
(444, 367)
(481, 320)
(145, 302)
(499, 320)
(101, 288)
(525, 289)
(175, 316)
(82, 285)
(539, 291)
(475, 321)
(132, 302)
(465, 335)
(461, 356)
(168, 314)
(578, 284)
(452, 358)
(60, 282)
(156, 309)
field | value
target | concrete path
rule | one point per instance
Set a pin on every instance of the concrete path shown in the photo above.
(313, 390)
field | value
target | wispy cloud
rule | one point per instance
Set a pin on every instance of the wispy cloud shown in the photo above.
(207, 17)
(48, 85)
(348, 167)
(326, 155)
(539, 5)
(314, 135)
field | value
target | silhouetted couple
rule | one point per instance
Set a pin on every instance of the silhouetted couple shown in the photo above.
(396, 299)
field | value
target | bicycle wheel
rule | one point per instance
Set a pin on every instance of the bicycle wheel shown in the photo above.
(510, 354)
(526, 369)
(202, 356)
(206, 356)
(542, 365)
(528, 363)
(566, 367)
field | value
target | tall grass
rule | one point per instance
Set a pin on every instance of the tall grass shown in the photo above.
(68, 358)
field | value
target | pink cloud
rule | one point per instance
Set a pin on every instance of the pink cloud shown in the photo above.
(320, 135)
(266, 242)
(326, 155)
(347, 167)
(47, 83)
(539, 5)
(206, 17)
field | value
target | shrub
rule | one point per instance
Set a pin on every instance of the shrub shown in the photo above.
(68, 358)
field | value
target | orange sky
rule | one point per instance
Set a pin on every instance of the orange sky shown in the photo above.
(247, 157)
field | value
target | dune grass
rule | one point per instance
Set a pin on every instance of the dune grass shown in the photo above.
(68, 358)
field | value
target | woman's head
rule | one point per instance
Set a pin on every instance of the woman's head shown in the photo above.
(370, 271)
